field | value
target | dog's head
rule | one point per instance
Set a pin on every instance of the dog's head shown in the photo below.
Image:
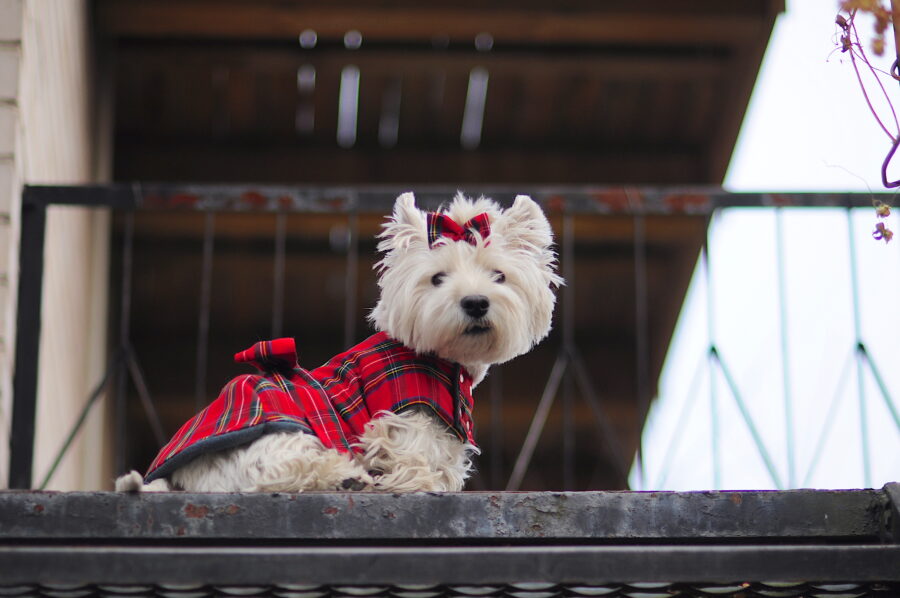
(472, 283)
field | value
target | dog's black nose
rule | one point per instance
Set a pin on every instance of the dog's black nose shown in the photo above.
(475, 306)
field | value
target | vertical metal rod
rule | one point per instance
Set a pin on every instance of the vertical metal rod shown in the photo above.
(714, 419)
(857, 333)
(496, 400)
(204, 316)
(28, 335)
(568, 317)
(710, 327)
(568, 291)
(642, 334)
(351, 279)
(568, 434)
(278, 278)
(863, 419)
(785, 351)
(121, 403)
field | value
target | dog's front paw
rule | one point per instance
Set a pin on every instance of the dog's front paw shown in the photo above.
(130, 482)
(133, 482)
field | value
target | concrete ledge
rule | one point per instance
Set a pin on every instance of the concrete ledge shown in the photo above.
(454, 544)
(597, 517)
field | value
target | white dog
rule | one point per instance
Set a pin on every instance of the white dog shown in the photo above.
(461, 289)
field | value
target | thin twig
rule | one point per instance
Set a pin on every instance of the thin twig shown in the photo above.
(850, 32)
(862, 87)
(865, 59)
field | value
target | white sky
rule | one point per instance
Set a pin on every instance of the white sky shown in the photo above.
(807, 129)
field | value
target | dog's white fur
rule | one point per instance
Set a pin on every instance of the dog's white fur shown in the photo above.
(514, 268)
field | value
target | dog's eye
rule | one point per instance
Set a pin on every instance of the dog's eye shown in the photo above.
(499, 276)
(438, 278)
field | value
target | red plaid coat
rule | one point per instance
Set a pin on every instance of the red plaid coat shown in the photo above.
(334, 401)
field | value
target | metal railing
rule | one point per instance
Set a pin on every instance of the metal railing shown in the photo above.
(567, 202)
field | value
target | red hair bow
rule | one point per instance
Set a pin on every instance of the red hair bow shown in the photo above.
(442, 226)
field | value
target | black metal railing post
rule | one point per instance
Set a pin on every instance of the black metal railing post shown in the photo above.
(28, 336)
(35, 201)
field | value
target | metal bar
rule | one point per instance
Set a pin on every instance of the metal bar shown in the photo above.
(714, 421)
(785, 355)
(695, 200)
(857, 334)
(140, 384)
(351, 280)
(278, 275)
(748, 419)
(642, 335)
(209, 231)
(501, 518)
(711, 334)
(568, 274)
(432, 565)
(496, 403)
(568, 344)
(28, 335)
(117, 196)
(92, 398)
(537, 423)
(120, 403)
(568, 434)
(863, 422)
(570, 351)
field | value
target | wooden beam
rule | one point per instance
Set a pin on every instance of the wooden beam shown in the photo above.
(681, 23)
(220, 163)
(533, 64)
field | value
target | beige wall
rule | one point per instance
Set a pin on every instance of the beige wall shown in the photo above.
(54, 140)
(10, 51)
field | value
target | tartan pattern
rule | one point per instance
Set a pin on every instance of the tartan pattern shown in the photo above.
(334, 401)
(440, 226)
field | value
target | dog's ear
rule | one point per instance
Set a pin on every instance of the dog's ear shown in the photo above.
(525, 225)
(405, 226)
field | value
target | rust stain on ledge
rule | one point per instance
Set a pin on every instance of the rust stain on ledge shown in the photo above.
(196, 512)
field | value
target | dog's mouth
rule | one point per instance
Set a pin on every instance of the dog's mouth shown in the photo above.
(477, 329)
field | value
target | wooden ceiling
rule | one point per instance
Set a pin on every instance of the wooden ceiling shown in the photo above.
(522, 93)
(649, 92)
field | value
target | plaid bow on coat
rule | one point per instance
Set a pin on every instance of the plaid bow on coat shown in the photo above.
(334, 401)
